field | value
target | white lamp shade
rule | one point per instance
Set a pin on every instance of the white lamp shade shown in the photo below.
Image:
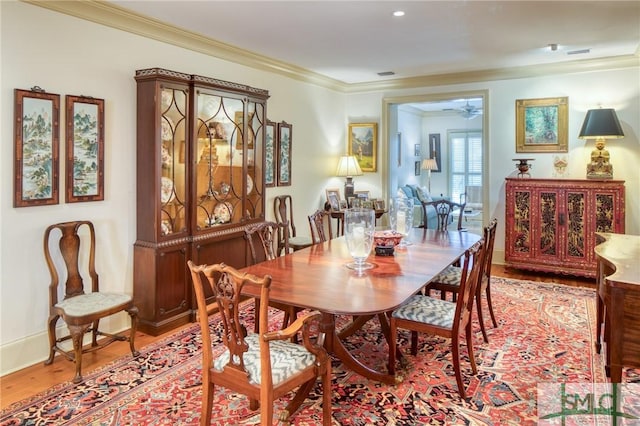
(348, 166)
(429, 164)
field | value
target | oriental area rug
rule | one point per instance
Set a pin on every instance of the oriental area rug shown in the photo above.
(546, 334)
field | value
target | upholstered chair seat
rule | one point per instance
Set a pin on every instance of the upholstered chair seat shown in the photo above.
(93, 303)
(287, 359)
(427, 310)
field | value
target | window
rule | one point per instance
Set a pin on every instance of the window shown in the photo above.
(465, 148)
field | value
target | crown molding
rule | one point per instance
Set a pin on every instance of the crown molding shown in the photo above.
(120, 18)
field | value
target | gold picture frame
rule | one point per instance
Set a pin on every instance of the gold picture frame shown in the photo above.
(333, 198)
(542, 125)
(363, 141)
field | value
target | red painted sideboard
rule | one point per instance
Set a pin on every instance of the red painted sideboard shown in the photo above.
(551, 223)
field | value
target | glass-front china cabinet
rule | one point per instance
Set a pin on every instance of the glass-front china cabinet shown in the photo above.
(200, 182)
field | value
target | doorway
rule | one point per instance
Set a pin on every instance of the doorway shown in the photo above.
(414, 123)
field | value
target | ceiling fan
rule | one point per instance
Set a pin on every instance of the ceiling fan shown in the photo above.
(469, 111)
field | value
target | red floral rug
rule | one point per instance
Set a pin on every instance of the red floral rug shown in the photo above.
(546, 334)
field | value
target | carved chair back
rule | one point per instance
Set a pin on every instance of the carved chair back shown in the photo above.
(320, 226)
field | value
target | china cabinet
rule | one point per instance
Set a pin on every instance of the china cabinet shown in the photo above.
(200, 182)
(551, 224)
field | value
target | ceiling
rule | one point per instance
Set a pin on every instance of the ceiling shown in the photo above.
(352, 41)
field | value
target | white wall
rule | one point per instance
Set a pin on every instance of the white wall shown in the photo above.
(70, 56)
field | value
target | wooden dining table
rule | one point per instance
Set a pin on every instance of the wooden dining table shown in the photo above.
(317, 278)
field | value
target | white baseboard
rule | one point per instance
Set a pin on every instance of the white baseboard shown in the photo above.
(34, 349)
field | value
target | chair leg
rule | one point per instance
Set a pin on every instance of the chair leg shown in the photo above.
(77, 333)
(472, 358)
(455, 354)
(414, 343)
(94, 333)
(133, 314)
(393, 335)
(52, 338)
(480, 317)
(326, 395)
(298, 398)
(255, 311)
(266, 412)
(208, 389)
(488, 293)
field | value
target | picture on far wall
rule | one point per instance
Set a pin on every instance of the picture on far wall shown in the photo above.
(363, 140)
(434, 150)
(36, 147)
(84, 149)
(284, 153)
(416, 167)
(271, 165)
(541, 125)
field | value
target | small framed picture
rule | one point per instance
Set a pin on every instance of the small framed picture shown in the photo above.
(270, 154)
(367, 204)
(85, 149)
(36, 147)
(343, 205)
(416, 150)
(333, 198)
(379, 204)
(350, 201)
(362, 195)
(416, 167)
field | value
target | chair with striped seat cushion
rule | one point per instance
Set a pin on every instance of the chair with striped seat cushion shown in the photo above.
(441, 317)
(449, 279)
(263, 366)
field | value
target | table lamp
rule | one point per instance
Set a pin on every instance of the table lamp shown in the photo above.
(348, 167)
(600, 124)
(429, 164)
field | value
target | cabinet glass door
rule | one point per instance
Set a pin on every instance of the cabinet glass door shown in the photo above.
(173, 133)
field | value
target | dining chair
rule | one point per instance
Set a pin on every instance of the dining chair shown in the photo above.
(444, 209)
(70, 252)
(320, 226)
(283, 212)
(264, 235)
(448, 281)
(263, 366)
(441, 317)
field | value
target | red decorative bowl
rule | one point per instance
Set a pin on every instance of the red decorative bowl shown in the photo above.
(386, 238)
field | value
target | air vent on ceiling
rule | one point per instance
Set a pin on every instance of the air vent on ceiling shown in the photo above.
(386, 73)
(578, 52)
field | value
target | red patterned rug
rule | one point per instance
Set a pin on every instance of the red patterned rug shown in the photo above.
(546, 334)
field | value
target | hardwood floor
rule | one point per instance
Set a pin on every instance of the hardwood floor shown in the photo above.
(37, 378)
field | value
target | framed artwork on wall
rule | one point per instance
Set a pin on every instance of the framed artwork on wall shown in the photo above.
(84, 149)
(363, 140)
(270, 154)
(434, 150)
(541, 125)
(416, 150)
(416, 168)
(36, 147)
(284, 153)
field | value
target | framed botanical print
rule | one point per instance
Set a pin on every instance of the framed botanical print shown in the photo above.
(284, 153)
(541, 125)
(363, 141)
(84, 149)
(270, 155)
(36, 147)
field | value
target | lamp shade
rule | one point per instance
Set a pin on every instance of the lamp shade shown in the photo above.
(348, 166)
(429, 164)
(601, 124)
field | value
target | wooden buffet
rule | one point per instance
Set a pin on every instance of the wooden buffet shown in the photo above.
(551, 223)
(619, 301)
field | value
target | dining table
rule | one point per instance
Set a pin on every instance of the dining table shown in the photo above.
(317, 278)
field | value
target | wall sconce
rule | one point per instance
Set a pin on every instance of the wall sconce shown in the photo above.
(348, 167)
(429, 164)
(600, 124)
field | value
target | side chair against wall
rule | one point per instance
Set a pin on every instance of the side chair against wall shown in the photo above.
(320, 226)
(262, 366)
(264, 235)
(81, 309)
(441, 317)
(283, 212)
(449, 279)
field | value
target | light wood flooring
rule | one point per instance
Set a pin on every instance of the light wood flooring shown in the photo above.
(37, 378)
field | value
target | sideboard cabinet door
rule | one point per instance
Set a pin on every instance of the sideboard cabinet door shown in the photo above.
(551, 224)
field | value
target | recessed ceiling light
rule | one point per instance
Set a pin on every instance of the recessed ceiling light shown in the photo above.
(398, 13)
